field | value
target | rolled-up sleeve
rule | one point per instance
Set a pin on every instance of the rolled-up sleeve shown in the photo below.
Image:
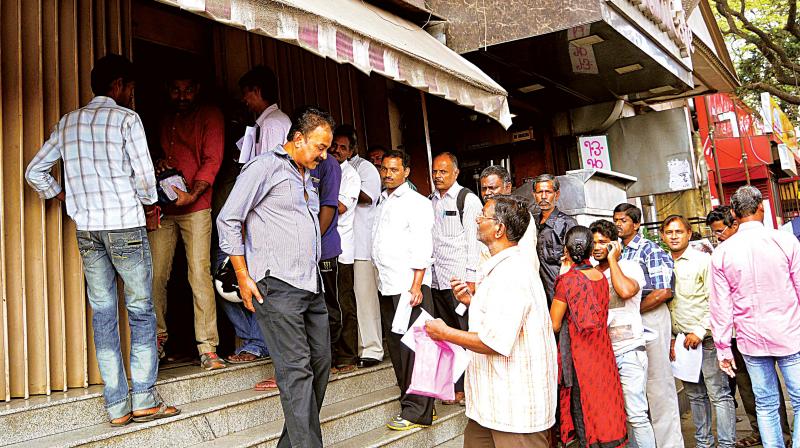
(421, 229)
(142, 165)
(212, 148)
(38, 173)
(721, 308)
(250, 189)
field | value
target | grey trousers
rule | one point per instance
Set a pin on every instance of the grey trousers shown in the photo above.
(295, 327)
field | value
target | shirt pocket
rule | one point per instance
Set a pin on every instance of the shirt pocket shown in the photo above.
(450, 224)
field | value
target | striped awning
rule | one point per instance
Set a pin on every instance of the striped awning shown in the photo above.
(369, 38)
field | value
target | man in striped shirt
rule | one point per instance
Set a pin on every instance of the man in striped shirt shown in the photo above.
(276, 264)
(108, 177)
(511, 380)
(456, 250)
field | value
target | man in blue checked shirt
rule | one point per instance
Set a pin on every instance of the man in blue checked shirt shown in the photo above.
(109, 182)
(657, 266)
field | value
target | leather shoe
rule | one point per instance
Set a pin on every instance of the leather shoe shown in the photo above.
(367, 362)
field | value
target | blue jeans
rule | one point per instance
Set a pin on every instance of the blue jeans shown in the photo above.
(245, 325)
(126, 253)
(244, 322)
(713, 389)
(765, 387)
(632, 367)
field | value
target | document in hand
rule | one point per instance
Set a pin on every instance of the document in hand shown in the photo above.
(688, 362)
(402, 315)
(247, 145)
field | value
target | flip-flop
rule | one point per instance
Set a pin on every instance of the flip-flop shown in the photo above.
(164, 411)
(243, 358)
(266, 385)
(128, 418)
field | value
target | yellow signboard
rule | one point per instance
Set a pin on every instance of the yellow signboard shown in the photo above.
(777, 122)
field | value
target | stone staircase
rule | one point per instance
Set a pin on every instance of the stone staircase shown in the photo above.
(220, 409)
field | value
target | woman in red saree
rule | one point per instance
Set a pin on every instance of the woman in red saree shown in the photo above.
(590, 394)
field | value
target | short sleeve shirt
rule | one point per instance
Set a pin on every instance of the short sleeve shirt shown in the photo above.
(327, 178)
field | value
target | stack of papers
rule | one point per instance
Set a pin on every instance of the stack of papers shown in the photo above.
(688, 362)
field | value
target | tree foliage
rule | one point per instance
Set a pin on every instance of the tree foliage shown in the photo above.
(764, 38)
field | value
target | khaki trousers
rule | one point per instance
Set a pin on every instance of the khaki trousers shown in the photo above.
(368, 309)
(477, 436)
(195, 231)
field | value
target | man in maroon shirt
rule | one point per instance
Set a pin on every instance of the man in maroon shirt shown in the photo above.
(192, 140)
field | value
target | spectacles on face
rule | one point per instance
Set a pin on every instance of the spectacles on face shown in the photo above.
(481, 217)
(719, 232)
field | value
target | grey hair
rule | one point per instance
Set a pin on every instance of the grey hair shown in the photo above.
(514, 213)
(496, 170)
(745, 201)
(546, 178)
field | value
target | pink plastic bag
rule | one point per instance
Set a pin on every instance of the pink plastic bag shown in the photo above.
(433, 367)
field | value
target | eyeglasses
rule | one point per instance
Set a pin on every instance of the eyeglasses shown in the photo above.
(481, 217)
(720, 231)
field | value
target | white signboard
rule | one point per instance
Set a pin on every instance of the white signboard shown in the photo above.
(594, 152)
(680, 174)
(582, 59)
(787, 159)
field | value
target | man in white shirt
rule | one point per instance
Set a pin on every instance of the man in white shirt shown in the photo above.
(402, 246)
(365, 282)
(625, 283)
(345, 351)
(456, 250)
(260, 95)
(512, 377)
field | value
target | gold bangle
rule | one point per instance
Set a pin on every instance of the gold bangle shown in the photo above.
(240, 270)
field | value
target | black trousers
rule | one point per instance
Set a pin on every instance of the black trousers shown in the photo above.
(345, 350)
(445, 303)
(330, 279)
(415, 408)
(295, 327)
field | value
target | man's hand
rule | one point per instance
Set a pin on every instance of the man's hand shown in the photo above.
(416, 295)
(462, 290)
(436, 329)
(614, 250)
(152, 217)
(248, 289)
(61, 196)
(692, 341)
(161, 165)
(672, 350)
(184, 198)
(728, 366)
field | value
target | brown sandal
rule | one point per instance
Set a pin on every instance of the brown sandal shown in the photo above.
(162, 411)
(243, 358)
(751, 440)
(122, 421)
(266, 385)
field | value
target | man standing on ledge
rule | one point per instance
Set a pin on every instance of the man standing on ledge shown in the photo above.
(104, 197)
(277, 265)
(402, 247)
(553, 227)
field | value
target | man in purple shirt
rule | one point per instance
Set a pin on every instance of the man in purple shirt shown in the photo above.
(755, 290)
(327, 178)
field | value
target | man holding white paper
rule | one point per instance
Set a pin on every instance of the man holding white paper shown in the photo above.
(510, 383)
(691, 317)
(402, 248)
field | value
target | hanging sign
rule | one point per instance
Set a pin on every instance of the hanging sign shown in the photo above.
(594, 152)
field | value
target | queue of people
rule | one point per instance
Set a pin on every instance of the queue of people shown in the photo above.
(571, 329)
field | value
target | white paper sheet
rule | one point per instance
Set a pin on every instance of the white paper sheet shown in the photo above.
(403, 314)
(461, 309)
(687, 364)
(462, 356)
(408, 338)
(247, 145)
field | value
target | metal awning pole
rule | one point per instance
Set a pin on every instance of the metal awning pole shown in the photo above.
(717, 173)
(427, 137)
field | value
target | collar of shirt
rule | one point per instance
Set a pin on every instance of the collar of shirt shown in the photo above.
(751, 225)
(634, 244)
(272, 108)
(398, 192)
(492, 263)
(101, 100)
(551, 220)
(452, 191)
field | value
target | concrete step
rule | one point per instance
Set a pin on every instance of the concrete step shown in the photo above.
(37, 417)
(339, 421)
(450, 424)
(457, 442)
(209, 418)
